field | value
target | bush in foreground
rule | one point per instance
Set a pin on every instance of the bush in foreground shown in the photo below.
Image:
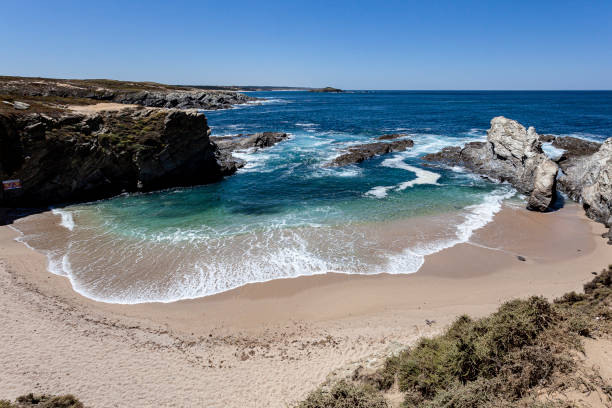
(497, 361)
(43, 401)
(345, 395)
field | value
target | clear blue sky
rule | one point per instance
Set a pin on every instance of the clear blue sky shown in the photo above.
(424, 44)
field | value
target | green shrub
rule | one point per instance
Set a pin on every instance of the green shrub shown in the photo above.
(382, 379)
(571, 297)
(345, 395)
(580, 326)
(46, 401)
(472, 349)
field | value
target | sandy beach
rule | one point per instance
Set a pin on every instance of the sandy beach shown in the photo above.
(268, 344)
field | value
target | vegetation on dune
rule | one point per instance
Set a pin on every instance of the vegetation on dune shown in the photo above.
(346, 395)
(43, 401)
(506, 359)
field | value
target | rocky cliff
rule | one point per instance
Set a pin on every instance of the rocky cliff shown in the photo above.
(588, 179)
(61, 156)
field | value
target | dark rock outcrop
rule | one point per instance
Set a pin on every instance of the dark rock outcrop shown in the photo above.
(511, 153)
(573, 149)
(76, 157)
(251, 141)
(357, 154)
(209, 100)
(392, 136)
(256, 141)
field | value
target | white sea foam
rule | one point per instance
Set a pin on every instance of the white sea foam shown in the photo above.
(347, 171)
(261, 101)
(422, 177)
(263, 259)
(477, 132)
(551, 151)
(379, 191)
(477, 216)
(66, 218)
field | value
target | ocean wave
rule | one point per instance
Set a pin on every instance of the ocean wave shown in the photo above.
(66, 218)
(379, 191)
(477, 216)
(421, 177)
(275, 253)
(551, 151)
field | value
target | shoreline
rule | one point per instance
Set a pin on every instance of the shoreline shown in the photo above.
(223, 347)
(401, 240)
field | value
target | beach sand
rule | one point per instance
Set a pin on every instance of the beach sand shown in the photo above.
(269, 344)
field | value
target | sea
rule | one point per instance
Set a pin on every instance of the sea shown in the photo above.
(287, 213)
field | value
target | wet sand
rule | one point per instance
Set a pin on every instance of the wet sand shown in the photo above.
(268, 344)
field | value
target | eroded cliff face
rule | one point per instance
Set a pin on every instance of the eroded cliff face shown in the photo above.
(589, 179)
(65, 156)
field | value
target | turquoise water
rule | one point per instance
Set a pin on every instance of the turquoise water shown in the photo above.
(286, 214)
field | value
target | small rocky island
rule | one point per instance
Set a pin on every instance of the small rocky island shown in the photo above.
(327, 89)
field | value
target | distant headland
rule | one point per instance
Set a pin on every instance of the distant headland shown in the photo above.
(328, 89)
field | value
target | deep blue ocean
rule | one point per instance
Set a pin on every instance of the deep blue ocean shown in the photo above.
(287, 214)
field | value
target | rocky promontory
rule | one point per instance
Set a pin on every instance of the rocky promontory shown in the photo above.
(514, 154)
(149, 94)
(357, 154)
(65, 155)
(327, 89)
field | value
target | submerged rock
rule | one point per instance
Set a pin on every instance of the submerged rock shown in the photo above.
(392, 136)
(357, 154)
(511, 153)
